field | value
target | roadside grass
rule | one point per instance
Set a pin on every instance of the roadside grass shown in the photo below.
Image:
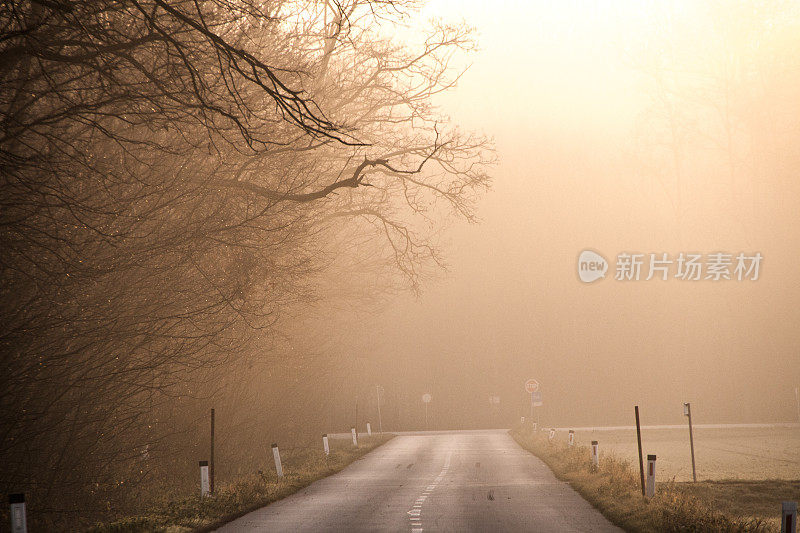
(614, 489)
(230, 501)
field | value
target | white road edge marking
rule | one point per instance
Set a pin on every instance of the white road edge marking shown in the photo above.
(416, 510)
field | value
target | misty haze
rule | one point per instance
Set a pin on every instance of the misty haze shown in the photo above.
(373, 265)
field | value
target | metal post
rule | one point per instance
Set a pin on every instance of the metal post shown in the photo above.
(651, 476)
(211, 462)
(19, 522)
(380, 422)
(639, 441)
(789, 517)
(531, 406)
(688, 412)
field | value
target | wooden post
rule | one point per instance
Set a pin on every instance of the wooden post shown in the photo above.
(571, 438)
(797, 401)
(211, 462)
(595, 454)
(639, 441)
(687, 410)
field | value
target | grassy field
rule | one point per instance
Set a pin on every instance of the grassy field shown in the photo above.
(714, 505)
(301, 468)
(720, 453)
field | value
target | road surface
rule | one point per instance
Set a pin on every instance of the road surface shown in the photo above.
(443, 481)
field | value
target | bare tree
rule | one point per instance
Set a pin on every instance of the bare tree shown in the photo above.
(176, 177)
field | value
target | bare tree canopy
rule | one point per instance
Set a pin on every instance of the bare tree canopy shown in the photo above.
(176, 177)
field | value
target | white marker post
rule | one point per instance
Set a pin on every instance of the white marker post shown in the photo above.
(276, 454)
(204, 478)
(650, 487)
(19, 522)
(595, 454)
(571, 438)
(426, 399)
(534, 426)
(552, 434)
(369, 430)
(355, 436)
(522, 420)
(325, 444)
(380, 420)
(789, 517)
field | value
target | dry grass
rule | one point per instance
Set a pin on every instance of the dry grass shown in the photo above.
(721, 453)
(197, 514)
(615, 490)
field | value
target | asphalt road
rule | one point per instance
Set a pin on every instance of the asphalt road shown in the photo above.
(454, 481)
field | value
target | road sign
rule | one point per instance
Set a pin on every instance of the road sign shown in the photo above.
(426, 398)
(536, 398)
(531, 386)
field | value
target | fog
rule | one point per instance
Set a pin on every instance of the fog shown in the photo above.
(583, 164)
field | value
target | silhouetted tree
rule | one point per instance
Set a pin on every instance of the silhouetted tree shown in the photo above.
(174, 177)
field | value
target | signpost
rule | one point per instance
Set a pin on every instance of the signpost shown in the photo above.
(532, 387)
(426, 399)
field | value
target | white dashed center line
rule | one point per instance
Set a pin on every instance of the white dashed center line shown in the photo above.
(415, 514)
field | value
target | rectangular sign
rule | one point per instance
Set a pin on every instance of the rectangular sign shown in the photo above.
(536, 398)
